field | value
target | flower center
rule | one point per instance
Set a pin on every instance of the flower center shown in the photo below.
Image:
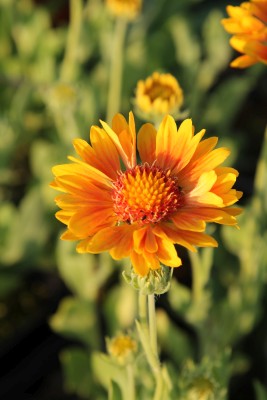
(146, 194)
(159, 90)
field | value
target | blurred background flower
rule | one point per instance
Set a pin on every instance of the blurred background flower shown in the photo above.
(158, 95)
(128, 9)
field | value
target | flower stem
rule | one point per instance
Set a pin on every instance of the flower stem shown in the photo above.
(148, 336)
(142, 308)
(152, 323)
(115, 79)
(69, 63)
(131, 383)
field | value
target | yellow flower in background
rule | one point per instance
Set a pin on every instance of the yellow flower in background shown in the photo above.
(109, 202)
(201, 389)
(247, 23)
(122, 348)
(128, 9)
(158, 95)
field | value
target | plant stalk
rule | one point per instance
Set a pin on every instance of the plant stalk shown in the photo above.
(116, 67)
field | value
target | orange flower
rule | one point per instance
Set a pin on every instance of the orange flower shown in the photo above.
(248, 25)
(111, 202)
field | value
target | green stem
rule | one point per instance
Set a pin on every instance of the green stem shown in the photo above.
(115, 79)
(148, 336)
(131, 383)
(152, 323)
(153, 341)
(67, 71)
(197, 277)
(142, 308)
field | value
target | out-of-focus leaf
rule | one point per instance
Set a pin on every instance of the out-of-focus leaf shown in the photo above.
(216, 41)
(227, 99)
(83, 273)
(259, 202)
(114, 392)
(76, 319)
(261, 392)
(7, 142)
(186, 46)
(173, 341)
(107, 371)
(8, 283)
(179, 296)
(43, 157)
(27, 232)
(208, 378)
(77, 372)
(120, 307)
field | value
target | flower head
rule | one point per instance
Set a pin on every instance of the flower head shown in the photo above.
(247, 23)
(128, 9)
(202, 389)
(158, 95)
(111, 202)
(121, 348)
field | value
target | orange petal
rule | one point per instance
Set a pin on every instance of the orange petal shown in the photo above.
(146, 143)
(185, 221)
(83, 187)
(144, 240)
(243, 61)
(124, 138)
(103, 154)
(67, 235)
(109, 238)
(186, 239)
(203, 165)
(81, 169)
(86, 221)
(64, 216)
(139, 264)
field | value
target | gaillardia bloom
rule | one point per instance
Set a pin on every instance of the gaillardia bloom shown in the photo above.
(158, 95)
(122, 348)
(128, 9)
(247, 23)
(112, 202)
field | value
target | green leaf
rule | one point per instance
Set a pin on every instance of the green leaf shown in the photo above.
(83, 273)
(8, 283)
(120, 307)
(77, 372)
(261, 392)
(107, 371)
(114, 392)
(27, 232)
(76, 319)
(173, 340)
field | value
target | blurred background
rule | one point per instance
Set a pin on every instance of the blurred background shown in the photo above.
(56, 307)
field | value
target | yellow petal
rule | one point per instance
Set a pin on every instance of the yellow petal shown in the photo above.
(167, 254)
(183, 220)
(140, 265)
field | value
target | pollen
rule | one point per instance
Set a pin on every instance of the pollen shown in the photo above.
(146, 194)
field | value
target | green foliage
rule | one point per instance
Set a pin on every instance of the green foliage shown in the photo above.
(77, 371)
(261, 392)
(76, 319)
